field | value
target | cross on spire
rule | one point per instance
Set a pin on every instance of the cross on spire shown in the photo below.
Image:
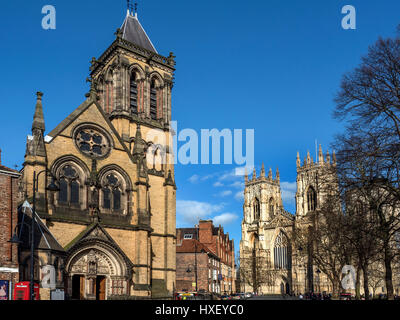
(132, 7)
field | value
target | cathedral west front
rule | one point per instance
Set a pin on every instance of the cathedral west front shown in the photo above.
(268, 230)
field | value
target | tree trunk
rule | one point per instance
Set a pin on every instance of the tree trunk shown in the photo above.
(388, 273)
(366, 287)
(335, 288)
(358, 285)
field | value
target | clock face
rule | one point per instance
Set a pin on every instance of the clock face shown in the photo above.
(92, 142)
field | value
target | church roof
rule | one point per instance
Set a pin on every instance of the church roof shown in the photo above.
(133, 31)
(44, 239)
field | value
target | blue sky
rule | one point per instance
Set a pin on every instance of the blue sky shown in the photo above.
(272, 66)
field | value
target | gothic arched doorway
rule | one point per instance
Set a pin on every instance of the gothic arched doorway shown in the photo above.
(96, 270)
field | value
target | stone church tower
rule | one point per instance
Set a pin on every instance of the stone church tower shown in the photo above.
(115, 211)
(267, 229)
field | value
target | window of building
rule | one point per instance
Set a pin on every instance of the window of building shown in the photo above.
(111, 193)
(69, 186)
(134, 94)
(153, 100)
(188, 236)
(311, 199)
(271, 207)
(282, 257)
(256, 208)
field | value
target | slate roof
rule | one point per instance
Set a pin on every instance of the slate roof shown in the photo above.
(133, 31)
(192, 246)
(7, 169)
(44, 239)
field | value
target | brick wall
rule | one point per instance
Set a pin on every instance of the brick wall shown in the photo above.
(8, 221)
(184, 279)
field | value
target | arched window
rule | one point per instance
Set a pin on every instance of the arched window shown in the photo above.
(109, 93)
(69, 193)
(134, 94)
(111, 193)
(256, 208)
(153, 100)
(255, 241)
(359, 207)
(271, 207)
(282, 257)
(311, 199)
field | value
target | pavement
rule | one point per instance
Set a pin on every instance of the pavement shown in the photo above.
(274, 297)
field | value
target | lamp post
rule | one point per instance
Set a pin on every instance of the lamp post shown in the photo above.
(15, 239)
(195, 272)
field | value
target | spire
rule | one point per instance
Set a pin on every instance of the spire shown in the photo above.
(308, 157)
(254, 174)
(278, 178)
(270, 174)
(262, 174)
(35, 143)
(133, 31)
(328, 157)
(38, 118)
(334, 158)
(298, 163)
(320, 156)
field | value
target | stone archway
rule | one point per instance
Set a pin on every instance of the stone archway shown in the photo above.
(95, 271)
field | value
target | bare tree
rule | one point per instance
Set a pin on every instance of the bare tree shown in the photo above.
(376, 276)
(369, 150)
(255, 269)
(323, 243)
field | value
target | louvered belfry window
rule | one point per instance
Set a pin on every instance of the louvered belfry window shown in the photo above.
(153, 101)
(311, 199)
(134, 94)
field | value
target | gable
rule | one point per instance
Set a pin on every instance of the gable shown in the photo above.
(63, 139)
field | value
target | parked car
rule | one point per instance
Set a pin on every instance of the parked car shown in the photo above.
(237, 296)
(225, 297)
(248, 294)
(345, 296)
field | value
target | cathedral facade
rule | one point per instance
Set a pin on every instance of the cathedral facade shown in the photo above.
(268, 231)
(115, 211)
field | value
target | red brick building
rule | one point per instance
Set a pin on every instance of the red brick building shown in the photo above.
(196, 265)
(8, 221)
(220, 265)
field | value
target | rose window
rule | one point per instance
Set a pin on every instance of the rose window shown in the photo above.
(92, 143)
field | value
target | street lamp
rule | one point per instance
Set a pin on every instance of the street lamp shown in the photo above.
(15, 239)
(195, 272)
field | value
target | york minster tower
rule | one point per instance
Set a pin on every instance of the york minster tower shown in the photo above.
(269, 257)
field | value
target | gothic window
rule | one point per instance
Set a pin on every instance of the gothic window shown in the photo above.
(109, 93)
(281, 252)
(134, 94)
(92, 142)
(359, 207)
(271, 207)
(69, 186)
(256, 208)
(112, 193)
(311, 199)
(153, 100)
